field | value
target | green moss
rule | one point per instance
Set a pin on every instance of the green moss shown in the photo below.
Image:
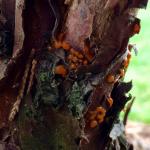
(76, 103)
(47, 92)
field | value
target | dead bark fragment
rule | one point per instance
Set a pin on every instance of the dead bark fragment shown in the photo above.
(80, 19)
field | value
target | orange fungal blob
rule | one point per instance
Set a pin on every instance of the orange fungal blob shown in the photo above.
(57, 44)
(60, 70)
(93, 124)
(66, 45)
(126, 63)
(136, 29)
(110, 79)
(121, 72)
(110, 101)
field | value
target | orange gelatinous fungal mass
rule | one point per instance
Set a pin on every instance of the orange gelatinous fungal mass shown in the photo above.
(110, 101)
(60, 70)
(66, 45)
(74, 59)
(110, 79)
(100, 120)
(76, 53)
(73, 66)
(57, 44)
(85, 62)
(136, 29)
(125, 63)
(80, 56)
(100, 110)
(70, 57)
(121, 72)
(93, 124)
(99, 117)
(129, 55)
(88, 54)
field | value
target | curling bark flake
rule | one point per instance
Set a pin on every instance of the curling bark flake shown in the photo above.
(79, 22)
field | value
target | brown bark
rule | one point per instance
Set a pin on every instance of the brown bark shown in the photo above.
(62, 88)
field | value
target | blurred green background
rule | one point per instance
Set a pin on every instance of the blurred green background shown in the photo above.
(139, 70)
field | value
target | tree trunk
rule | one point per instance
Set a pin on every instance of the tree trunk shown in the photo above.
(62, 65)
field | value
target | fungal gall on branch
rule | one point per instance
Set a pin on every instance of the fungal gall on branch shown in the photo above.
(96, 117)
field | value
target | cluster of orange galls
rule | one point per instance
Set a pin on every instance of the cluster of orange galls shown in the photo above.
(61, 70)
(111, 78)
(136, 28)
(74, 58)
(96, 117)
